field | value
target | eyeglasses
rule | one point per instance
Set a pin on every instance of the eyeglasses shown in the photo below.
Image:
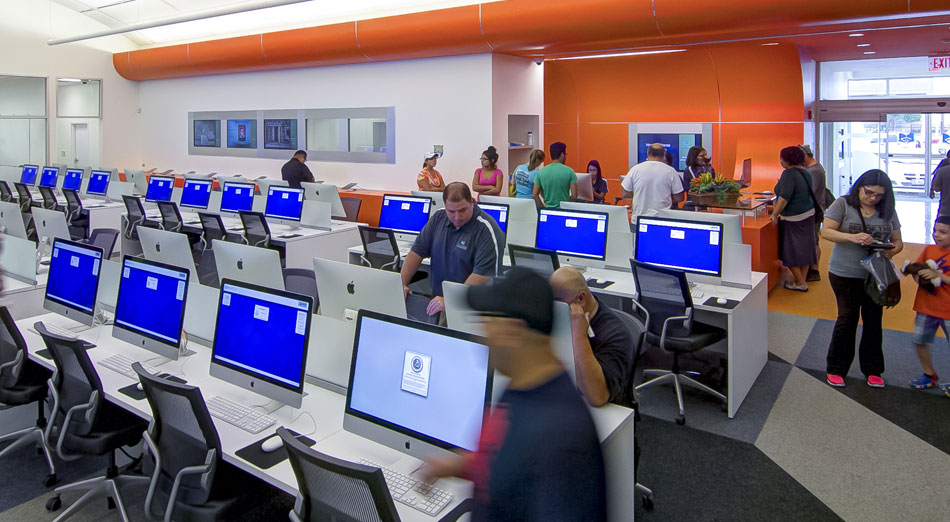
(872, 194)
(483, 158)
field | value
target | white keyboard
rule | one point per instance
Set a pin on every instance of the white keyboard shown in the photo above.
(696, 293)
(60, 331)
(413, 492)
(236, 414)
(123, 364)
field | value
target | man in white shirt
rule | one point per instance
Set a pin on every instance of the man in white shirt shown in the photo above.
(653, 184)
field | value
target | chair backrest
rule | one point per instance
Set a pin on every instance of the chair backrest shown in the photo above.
(183, 434)
(134, 208)
(105, 239)
(256, 231)
(5, 193)
(49, 198)
(26, 198)
(334, 489)
(637, 328)
(663, 293)
(75, 382)
(351, 206)
(73, 204)
(302, 281)
(379, 248)
(171, 218)
(13, 355)
(212, 228)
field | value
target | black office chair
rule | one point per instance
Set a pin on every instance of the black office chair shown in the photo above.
(135, 217)
(379, 248)
(22, 382)
(670, 325)
(256, 231)
(302, 281)
(84, 423)
(5, 193)
(104, 238)
(49, 199)
(333, 489)
(351, 207)
(25, 197)
(211, 228)
(77, 218)
(189, 479)
(171, 218)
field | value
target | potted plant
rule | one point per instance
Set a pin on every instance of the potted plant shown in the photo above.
(708, 190)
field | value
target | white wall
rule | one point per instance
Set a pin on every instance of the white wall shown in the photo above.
(517, 88)
(439, 101)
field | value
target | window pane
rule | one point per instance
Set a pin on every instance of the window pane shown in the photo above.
(77, 99)
(22, 96)
(367, 135)
(910, 86)
(24, 141)
(327, 134)
(867, 88)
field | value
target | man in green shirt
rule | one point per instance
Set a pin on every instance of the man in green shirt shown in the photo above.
(556, 182)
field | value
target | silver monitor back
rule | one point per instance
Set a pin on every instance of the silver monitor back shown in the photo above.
(522, 219)
(11, 220)
(138, 180)
(435, 196)
(259, 266)
(585, 187)
(18, 259)
(345, 289)
(49, 224)
(167, 247)
(326, 193)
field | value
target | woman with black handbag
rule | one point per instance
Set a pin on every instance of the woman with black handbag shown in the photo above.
(795, 213)
(857, 224)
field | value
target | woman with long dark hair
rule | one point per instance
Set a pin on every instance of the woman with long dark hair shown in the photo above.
(794, 213)
(866, 215)
(697, 162)
(488, 179)
(597, 180)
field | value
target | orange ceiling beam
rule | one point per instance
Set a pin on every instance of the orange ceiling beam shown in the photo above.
(521, 27)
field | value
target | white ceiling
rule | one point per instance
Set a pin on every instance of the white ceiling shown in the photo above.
(118, 13)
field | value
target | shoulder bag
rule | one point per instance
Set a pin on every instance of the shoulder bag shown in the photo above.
(883, 283)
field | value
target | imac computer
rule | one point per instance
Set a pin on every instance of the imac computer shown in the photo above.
(260, 266)
(498, 212)
(138, 180)
(578, 236)
(585, 187)
(284, 204)
(345, 289)
(745, 177)
(28, 174)
(260, 340)
(11, 220)
(731, 223)
(435, 196)
(544, 262)
(98, 183)
(73, 282)
(619, 236)
(326, 193)
(264, 184)
(73, 179)
(50, 225)
(522, 218)
(417, 388)
(236, 197)
(159, 189)
(405, 215)
(195, 194)
(49, 177)
(150, 308)
(692, 246)
(167, 247)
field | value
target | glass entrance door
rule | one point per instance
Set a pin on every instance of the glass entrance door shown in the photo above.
(847, 150)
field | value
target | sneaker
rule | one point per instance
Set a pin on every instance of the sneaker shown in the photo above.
(813, 275)
(835, 380)
(924, 382)
(945, 387)
(789, 285)
(875, 381)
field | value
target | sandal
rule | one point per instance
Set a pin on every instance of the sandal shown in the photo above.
(792, 286)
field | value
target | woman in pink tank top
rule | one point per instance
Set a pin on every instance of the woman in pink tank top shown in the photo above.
(488, 179)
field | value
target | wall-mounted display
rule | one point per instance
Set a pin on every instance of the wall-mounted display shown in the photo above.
(242, 134)
(207, 133)
(280, 134)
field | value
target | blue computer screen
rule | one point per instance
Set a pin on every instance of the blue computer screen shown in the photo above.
(404, 213)
(73, 275)
(236, 197)
(430, 383)
(575, 233)
(159, 188)
(498, 212)
(48, 178)
(28, 175)
(98, 182)
(677, 144)
(151, 300)
(196, 193)
(262, 333)
(690, 246)
(284, 203)
(73, 179)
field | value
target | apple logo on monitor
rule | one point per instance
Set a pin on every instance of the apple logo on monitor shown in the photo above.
(350, 288)
(240, 264)
(407, 445)
(158, 247)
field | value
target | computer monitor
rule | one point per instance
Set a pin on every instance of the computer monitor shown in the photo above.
(745, 178)
(522, 218)
(404, 214)
(28, 174)
(49, 176)
(196, 193)
(435, 196)
(680, 244)
(138, 180)
(498, 212)
(731, 223)
(544, 262)
(417, 388)
(264, 184)
(73, 179)
(619, 236)
(580, 237)
(260, 340)
(236, 197)
(284, 203)
(167, 247)
(73, 281)
(326, 193)
(585, 187)
(150, 308)
(160, 188)
(11, 220)
(49, 224)
(98, 183)
(345, 289)
(260, 266)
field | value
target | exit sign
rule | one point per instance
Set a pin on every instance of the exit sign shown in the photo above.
(939, 63)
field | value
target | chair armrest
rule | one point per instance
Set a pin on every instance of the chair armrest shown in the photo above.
(79, 408)
(463, 507)
(687, 319)
(190, 470)
(16, 360)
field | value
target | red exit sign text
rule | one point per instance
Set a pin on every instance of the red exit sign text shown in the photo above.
(939, 63)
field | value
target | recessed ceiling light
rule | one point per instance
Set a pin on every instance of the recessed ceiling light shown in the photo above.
(69, 80)
(855, 35)
(614, 55)
(870, 52)
(771, 43)
(864, 45)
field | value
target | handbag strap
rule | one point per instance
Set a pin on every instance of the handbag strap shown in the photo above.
(811, 192)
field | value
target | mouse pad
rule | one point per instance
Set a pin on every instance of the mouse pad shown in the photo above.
(137, 394)
(730, 303)
(253, 454)
(594, 284)
(44, 353)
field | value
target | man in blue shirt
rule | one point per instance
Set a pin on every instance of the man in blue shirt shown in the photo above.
(464, 243)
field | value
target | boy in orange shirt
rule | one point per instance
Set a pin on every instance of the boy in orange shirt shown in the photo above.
(933, 310)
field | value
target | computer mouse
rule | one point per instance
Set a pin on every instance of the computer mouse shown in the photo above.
(722, 300)
(139, 387)
(601, 281)
(272, 444)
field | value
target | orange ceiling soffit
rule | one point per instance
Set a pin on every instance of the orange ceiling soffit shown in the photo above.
(445, 32)
(229, 55)
(314, 46)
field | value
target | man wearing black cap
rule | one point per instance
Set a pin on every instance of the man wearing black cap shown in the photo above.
(295, 171)
(539, 456)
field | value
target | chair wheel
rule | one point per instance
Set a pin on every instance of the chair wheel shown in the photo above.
(50, 480)
(647, 503)
(681, 420)
(54, 504)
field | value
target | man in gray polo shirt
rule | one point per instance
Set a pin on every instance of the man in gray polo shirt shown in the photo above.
(464, 243)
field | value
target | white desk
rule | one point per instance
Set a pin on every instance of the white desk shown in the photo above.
(24, 299)
(103, 214)
(614, 423)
